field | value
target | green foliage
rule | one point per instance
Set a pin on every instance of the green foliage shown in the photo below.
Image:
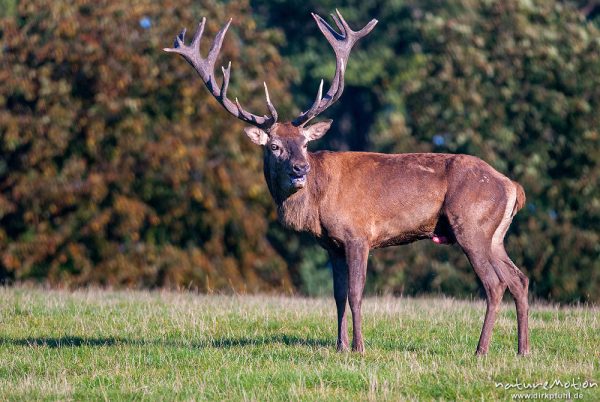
(518, 84)
(98, 345)
(7, 7)
(315, 273)
(117, 166)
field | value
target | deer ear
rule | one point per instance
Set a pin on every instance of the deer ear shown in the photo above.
(317, 130)
(258, 136)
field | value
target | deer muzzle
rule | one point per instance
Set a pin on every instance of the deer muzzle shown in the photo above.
(298, 175)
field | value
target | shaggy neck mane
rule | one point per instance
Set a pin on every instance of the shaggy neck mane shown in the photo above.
(298, 211)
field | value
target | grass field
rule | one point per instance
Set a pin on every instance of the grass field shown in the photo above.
(94, 344)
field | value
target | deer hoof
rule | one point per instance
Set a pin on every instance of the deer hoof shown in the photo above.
(342, 347)
(358, 349)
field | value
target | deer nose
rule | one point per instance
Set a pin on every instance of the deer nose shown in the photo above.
(301, 168)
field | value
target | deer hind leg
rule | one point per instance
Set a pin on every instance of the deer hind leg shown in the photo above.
(494, 290)
(508, 272)
(518, 286)
(475, 233)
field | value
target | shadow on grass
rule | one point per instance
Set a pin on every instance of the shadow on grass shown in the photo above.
(289, 340)
(216, 343)
(219, 343)
(67, 341)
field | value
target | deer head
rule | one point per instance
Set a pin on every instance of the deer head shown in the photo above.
(286, 157)
(284, 143)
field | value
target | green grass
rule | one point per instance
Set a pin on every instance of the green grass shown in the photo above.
(94, 344)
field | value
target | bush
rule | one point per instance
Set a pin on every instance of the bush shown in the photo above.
(118, 167)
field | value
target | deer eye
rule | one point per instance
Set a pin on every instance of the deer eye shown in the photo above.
(274, 147)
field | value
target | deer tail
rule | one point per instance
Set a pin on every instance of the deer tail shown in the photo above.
(520, 202)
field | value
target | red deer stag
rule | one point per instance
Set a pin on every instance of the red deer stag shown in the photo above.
(353, 202)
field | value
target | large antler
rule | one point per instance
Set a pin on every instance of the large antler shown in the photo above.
(206, 67)
(342, 45)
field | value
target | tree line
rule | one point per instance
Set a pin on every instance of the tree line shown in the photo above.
(118, 168)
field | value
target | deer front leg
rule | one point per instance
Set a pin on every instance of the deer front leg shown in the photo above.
(340, 293)
(357, 253)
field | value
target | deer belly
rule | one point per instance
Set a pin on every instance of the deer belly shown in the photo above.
(436, 228)
(395, 235)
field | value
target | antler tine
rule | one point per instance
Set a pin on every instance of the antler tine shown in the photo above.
(226, 75)
(269, 104)
(356, 35)
(341, 22)
(319, 97)
(205, 68)
(326, 29)
(215, 49)
(198, 35)
(342, 44)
